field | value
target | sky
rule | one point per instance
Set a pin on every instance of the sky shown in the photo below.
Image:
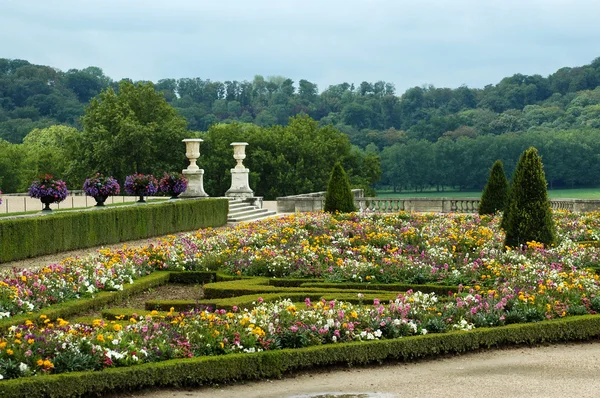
(405, 42)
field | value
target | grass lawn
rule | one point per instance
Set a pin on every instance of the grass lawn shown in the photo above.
(582, 193)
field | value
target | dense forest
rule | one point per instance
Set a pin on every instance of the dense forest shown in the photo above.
(425, 137)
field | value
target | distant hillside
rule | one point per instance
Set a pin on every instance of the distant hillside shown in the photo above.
(38, 96)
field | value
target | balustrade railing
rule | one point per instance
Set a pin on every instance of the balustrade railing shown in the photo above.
(382, 205)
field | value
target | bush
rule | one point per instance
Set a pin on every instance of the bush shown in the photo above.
(339, 196)
(528, 215)
(495, 192)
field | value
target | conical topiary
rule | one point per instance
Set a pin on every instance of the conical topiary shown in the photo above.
(495, 193)
(339, 196)
(528, 215)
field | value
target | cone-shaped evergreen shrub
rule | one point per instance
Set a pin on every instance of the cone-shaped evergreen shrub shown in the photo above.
(339, 196)
(495, 192)
(528, 215)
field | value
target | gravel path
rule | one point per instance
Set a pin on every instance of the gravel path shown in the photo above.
(567, 370)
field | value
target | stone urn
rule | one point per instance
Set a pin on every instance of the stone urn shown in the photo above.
(192, 152)
(239, 153)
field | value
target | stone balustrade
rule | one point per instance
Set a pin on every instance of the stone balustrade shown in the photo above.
(315, 201)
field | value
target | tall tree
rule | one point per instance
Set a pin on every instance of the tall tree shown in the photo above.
(134, 130)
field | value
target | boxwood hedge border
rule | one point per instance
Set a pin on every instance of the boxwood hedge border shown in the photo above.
(27, 237)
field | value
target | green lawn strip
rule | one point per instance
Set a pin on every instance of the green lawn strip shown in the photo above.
(250, 300)
(78, 306)
(274, 364)
(397, 287)
(261, 285)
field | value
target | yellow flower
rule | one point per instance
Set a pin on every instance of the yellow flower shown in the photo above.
(10, 352)
(117, 327)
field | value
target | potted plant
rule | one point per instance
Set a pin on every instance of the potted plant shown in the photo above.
(100, 188)
(48, 190)
(141, 185)
(173, 184)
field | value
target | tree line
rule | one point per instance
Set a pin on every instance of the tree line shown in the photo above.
(570, 159)
(134, 130)
(442, 125)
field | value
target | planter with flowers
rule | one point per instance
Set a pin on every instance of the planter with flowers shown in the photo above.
(48, 190)
(141, 185)
(173, 184)
(100, 188)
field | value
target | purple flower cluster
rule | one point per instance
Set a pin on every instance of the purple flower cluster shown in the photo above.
(173, 183)
(0, 198)
(47, 187)
(99, 185)
(141, 184)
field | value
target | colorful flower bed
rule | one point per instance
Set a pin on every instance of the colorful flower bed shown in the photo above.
(498, 287)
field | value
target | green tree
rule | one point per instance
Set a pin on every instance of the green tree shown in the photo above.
(339, 196)
(495, 191)
(51, 151)
(134, 130)
(528, 215)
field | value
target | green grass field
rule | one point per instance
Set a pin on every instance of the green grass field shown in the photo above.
(583, 193)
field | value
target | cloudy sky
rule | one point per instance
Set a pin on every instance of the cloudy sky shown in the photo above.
(406, 42)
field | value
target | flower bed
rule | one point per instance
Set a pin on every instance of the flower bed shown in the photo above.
(497, 287)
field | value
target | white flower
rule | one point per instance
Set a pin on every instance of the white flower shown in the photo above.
(23, 367)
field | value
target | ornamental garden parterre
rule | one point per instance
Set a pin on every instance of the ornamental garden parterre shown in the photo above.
(455, 273)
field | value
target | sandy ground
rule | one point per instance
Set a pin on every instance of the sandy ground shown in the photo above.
(569, 370)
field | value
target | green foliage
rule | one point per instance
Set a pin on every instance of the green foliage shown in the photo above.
(339, 197)
(495, 193)
(528, 215)
(35, 236)
(131, 131)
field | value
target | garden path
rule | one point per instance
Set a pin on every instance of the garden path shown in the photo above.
(564, 370)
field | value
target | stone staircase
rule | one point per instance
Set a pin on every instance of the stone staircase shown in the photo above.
(240, 211)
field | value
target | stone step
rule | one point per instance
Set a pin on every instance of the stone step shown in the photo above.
(233, 206)
(244, 211)
(258, 214)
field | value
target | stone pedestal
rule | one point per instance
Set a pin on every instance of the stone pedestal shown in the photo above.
(195, 188)
(193, 173)
(240, 187)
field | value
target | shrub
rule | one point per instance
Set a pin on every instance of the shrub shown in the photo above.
(495, 192)
(528, 215)
(141, 184)
(98, 185)
(48, 188)
(339, 196)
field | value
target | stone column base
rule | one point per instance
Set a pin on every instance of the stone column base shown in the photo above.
(239, 184)
(195, 188)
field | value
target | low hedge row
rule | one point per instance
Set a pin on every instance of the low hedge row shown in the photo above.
(53, 233)
(273, 364)
(74, 307)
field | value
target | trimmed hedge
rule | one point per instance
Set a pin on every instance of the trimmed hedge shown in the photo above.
(274, 364)
(57, 232)
(74, 307)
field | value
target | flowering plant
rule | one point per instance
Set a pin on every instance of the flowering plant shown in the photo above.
(98, 185)
(141, 184)
(47, 188)
(173, 183)
(0, 198)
